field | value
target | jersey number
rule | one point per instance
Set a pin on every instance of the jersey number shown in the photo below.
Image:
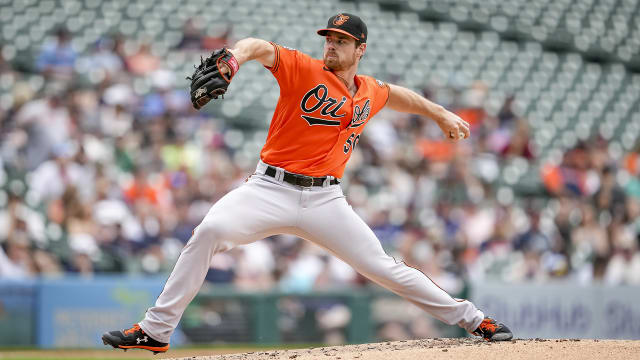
(351, 143)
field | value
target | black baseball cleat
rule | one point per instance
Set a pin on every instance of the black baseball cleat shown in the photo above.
(133, 338)
(490, 330)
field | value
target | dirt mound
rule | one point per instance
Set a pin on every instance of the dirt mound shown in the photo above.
(454, 349)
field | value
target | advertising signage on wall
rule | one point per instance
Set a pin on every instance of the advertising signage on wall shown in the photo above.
(562, 310)
(75, 312)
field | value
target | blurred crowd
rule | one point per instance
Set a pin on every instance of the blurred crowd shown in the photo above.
(96, 177)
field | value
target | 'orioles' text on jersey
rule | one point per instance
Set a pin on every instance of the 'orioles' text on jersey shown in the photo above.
(317, 122)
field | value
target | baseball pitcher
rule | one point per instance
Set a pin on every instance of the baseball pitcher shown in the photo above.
(322, 110)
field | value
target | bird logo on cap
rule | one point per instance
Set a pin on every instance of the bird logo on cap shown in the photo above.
(340, 19)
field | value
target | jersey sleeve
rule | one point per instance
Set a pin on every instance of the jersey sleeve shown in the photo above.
(288, 65)
(380, 91)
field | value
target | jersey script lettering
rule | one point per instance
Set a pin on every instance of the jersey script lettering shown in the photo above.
(317, 98)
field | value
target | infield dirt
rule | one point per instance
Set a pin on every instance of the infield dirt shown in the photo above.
(475, 349)
(465, 349)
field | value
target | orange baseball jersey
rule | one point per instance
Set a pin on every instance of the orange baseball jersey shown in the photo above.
(317, 122)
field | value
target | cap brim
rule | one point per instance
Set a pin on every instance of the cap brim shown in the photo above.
(323, 32)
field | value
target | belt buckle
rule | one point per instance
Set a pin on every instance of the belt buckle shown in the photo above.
(304, 180)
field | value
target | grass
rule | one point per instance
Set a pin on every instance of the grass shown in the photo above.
(22, 353)
(64, 358)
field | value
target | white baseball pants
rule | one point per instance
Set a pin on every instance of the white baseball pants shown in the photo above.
(265, 206)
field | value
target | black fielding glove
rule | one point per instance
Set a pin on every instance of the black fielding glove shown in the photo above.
(208, 82)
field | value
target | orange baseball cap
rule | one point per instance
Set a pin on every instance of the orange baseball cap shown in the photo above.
(347, 24)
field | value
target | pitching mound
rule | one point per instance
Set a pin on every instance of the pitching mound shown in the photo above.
(454, 349)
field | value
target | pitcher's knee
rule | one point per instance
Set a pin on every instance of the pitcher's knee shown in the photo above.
(374, 271)
(219, 232)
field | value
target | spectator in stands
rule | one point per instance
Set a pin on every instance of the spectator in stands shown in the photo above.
(609, 197)
(590, 238)
(140, 189)
(255, 266)
(518, 144)
(217, 37)
(624, 265)
(52, 178)
(191, 35)
(506, 115)
(15, 259)
(103, 58)
(143, 61)
(57, 57)
(46, 263)
(533, 239)
(48, 124)
(115, 120)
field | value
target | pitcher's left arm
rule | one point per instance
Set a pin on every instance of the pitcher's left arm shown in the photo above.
(408, 101)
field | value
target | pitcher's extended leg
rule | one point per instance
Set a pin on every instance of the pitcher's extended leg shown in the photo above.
(334, 225)
(253, 211)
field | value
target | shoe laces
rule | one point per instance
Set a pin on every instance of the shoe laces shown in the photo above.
(488, 326)
(135, 328)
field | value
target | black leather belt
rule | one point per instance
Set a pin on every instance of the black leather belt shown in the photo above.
(300, 180)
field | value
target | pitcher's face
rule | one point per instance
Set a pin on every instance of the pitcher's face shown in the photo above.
(340, 51)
